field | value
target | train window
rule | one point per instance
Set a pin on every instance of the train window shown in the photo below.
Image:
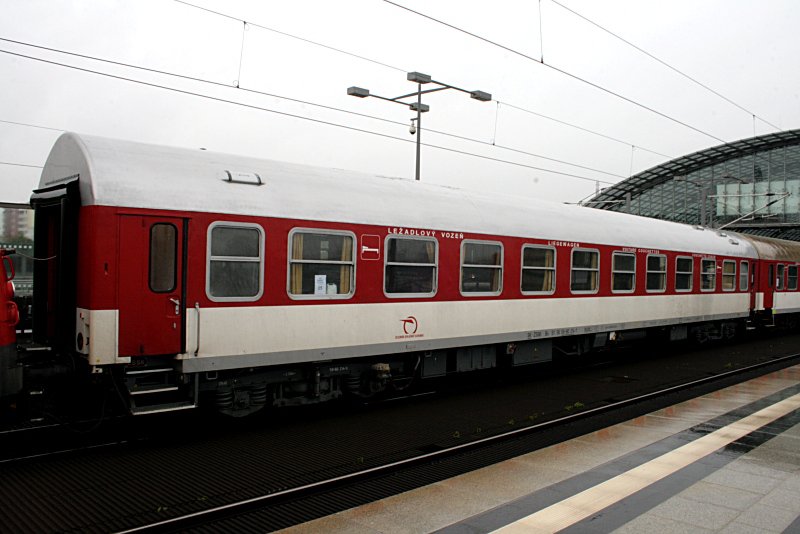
(656, 272)
(410, 266)
(321, 264)
(729, 275)
(708, 275)
(623, 272)
(792, 283)
(235, 262)
(779, 277)
(163, 257)
(684, 269)
(481, 268)
(771, 276)
(585, 270)
(538, 270)
(744, 276)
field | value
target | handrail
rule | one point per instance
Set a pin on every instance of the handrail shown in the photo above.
(197, 344)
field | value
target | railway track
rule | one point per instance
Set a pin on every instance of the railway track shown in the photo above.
(280, 509)
(39, 441)
(198, 473)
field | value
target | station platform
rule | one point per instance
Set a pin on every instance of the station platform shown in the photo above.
(726, 462)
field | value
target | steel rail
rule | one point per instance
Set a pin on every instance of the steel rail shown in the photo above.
(184, 521)
(43, 433)
(64, 451)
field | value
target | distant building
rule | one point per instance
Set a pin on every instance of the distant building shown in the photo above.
(750, 186)
(17, 223)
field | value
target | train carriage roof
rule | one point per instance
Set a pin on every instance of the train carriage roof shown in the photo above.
(127, 174)
(775, 249)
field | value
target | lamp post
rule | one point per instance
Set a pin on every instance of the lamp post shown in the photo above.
(416, 123)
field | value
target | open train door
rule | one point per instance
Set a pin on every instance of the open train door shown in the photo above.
(55, 244)
(151, 285)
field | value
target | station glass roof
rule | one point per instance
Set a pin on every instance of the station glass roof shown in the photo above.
(751, 185)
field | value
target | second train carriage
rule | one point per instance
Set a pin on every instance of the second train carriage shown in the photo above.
(184, 272)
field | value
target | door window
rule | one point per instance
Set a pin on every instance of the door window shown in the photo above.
(163, 257)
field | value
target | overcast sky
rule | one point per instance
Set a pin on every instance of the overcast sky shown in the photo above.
(748, 51)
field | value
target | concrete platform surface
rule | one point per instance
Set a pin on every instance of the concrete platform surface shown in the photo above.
(726, 462)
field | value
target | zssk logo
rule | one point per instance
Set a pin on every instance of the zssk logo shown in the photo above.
(410, 325)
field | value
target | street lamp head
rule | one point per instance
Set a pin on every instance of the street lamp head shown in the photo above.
(422, 108)
(360, 92)
(418, 77)
(480, 96)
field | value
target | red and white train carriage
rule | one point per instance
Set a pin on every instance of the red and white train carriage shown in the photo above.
(184, 271)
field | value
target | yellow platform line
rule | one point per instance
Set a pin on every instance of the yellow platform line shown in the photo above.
(588, 502)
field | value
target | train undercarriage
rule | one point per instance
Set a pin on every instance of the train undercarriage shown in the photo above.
(152, 385)
(36, 375)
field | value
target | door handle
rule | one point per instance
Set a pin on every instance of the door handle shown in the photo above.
(177, 304)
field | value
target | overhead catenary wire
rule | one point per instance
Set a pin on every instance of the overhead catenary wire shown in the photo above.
(399, 69)
(20, 164)
(403, 70)
(309, 41)
(664, 63)
(610, 138)
(292, 115)
(559, 70)
(305, 102)
(31, 125)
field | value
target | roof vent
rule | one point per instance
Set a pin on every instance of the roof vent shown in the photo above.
(698, 227)
(722, 234)
(733, 241)
(247, 178)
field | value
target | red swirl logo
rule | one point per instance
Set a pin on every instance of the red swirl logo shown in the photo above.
(410, 325)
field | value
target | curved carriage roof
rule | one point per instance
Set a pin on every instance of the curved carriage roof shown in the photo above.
(128, 174)
(775, 249)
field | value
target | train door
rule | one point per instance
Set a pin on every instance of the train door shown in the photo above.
(55, 242)
(151, 285)
(769, 286)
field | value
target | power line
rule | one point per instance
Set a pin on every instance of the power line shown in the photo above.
(291, 115)
(31, 125)
(659, 60)
(561, 71)
(374, 61)
(305, 102)
(309, 41)
(20, 164)
(559, 121)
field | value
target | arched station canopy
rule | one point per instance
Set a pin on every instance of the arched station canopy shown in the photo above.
(751, 186)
